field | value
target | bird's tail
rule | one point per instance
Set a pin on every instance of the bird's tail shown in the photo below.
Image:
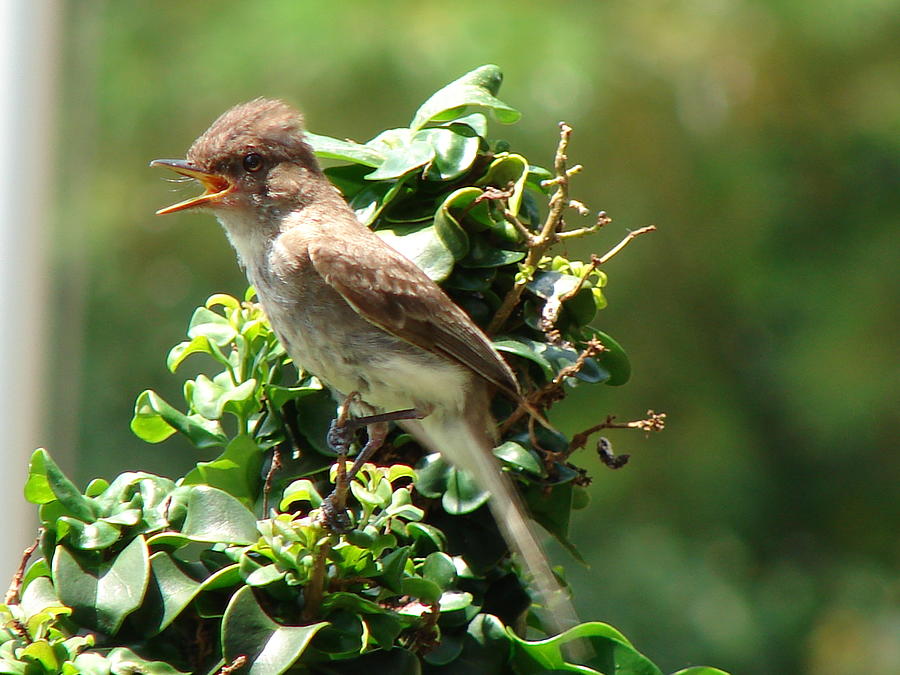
(466, 442)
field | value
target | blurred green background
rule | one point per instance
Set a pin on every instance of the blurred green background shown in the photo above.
(759, 532)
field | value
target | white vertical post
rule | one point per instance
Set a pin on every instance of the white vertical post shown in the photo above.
(29, 55)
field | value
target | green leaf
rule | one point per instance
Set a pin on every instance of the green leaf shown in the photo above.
(46, 483)
(439, 569)
(431, 475)
(40, 597)
(505, 171)
(485, 648)
(178, 353)
(348, 178)
(454, 151)
(453, 601)
(549, 284)
(614, 359)
(483, 254)
(344, 637)
(155, 420)
(300, 491)
(612, 652)
(425, 590)
(41, 653)
(427, 538)
(86, 536)
(214, 326)
(700, 670)
(123, 661)
(463, 494)
(369, 202)
(235, 471)
(519, 458)
(473, 92)
(393, 565)
(216, 516)
(169, 591)
(279, 396)
(333, 148)
(423, 245)
(270, 648)
(527, 349)
(553, 510)
(472, 280)
(204, 396)
(263, 576)
(403, 160)
(477, 122)
(103, 594)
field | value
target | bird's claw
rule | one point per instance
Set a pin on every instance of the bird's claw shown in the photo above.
(340, 435)
(334, 516)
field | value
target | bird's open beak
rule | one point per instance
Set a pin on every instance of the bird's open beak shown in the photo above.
(217, 186)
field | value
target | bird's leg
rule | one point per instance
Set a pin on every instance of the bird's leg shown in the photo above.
(340, 434)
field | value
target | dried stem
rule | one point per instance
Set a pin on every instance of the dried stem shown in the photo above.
(12, 594)
(653, 422)
(606, 257)
(553, 390)
(548, 234)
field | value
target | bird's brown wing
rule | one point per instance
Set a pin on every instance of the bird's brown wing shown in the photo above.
(391, 292)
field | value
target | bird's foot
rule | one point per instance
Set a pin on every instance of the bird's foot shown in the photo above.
(335, 516)
(340, 435)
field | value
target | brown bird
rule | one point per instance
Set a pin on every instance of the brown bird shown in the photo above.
(353, 311)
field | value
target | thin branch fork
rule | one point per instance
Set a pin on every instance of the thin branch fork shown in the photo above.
(653, 422)
(552, 391)
(548, 234)
(553, 307)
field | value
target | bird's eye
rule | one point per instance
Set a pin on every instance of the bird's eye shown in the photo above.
(252, 162)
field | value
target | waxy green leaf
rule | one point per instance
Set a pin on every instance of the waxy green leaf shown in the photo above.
(102, 593)
(270, 647)
(473, 92)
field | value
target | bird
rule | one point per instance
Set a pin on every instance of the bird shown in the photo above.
(353, 311)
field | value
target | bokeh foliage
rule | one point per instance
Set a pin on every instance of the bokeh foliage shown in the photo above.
(760, 136)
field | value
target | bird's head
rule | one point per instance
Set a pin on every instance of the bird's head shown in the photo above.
(253, 157)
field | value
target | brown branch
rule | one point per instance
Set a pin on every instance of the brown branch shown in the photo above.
(553, 306)
(548, 232)
(653, 422)
(553, 390)
(606, 257)
(527, 235)
(602, 220)
(270, 476)
(12, 594)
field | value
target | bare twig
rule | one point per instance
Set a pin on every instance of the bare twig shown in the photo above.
(270, 475)
(553, 390)
(602, 220)
(606, 257)
(553, 306)
(548, 232)
(653, 422)
(12, 594)
(527, 234)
